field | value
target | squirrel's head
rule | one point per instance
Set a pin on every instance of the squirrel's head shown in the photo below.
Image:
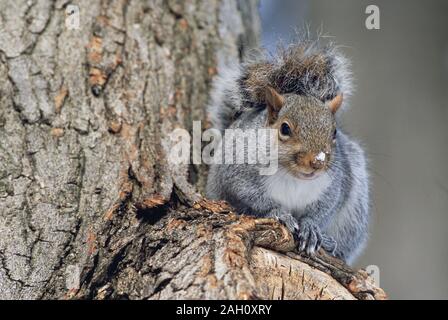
(306, 130)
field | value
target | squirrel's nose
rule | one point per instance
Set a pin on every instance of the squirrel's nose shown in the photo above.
(312, 160)
(317, 164)
(318, 161)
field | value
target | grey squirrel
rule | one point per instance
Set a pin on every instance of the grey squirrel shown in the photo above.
(320, 190)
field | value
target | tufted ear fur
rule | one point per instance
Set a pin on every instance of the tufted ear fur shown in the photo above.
(274, 102)
(335, 103)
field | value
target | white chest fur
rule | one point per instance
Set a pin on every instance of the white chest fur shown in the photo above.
(293, 193)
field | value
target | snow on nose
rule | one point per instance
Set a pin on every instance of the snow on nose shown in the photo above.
(320, 156)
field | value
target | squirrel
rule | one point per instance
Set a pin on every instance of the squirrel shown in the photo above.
(320, 191)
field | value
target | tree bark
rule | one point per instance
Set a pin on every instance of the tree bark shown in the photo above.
(85, 187)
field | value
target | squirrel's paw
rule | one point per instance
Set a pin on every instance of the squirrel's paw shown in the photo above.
(329, 244)
(308, 236)
(289, 222)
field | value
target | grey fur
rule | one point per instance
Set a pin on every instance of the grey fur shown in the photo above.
(296, 69)
(330, 212)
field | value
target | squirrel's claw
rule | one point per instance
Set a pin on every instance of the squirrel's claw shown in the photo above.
(308, 237)
(329, 244)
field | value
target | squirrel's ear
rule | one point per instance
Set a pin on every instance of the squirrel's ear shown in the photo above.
(335, 103)
(275, 102)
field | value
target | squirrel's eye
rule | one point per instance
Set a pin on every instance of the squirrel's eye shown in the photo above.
(334, 134)
(285, 130)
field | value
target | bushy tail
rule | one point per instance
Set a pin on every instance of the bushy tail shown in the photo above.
(225, 100)
(306, 68)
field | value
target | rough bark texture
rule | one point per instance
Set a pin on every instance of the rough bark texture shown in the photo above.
(84, 181)
(205, 251)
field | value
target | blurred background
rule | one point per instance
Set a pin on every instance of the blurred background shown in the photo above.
(399, 112)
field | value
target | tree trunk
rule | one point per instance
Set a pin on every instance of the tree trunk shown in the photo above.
(89, 207)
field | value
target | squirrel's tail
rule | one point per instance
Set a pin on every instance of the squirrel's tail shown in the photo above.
(305, 68)
(225, 99)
